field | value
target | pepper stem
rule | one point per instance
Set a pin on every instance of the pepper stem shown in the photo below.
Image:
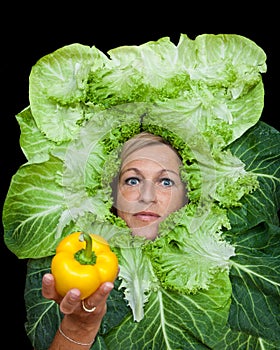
(86, 256)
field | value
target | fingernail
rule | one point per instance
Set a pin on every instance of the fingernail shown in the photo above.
(108, 287)
(74, 294)
(47, 279)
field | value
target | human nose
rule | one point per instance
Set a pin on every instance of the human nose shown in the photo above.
(148, 192)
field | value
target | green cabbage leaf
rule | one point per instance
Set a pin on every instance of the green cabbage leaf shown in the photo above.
(211, 279)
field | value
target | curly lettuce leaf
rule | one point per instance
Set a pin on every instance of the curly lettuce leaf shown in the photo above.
(229, 315)
(206, 96)
(216, 318)
(210, 70)
(34, 145)
(93, 100)
(188, 257)
(57, 90)
(136, 272)
(42, 206)
(171, 319)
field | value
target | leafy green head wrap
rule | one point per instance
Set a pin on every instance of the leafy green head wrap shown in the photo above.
(204, 96)
(200, 95)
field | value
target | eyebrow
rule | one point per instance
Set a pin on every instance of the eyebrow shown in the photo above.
(137, 171)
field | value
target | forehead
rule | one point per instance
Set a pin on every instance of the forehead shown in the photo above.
(160, 154)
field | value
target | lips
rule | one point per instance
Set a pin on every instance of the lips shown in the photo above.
(146, 216)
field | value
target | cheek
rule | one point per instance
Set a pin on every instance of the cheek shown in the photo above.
(125, 199)
(173, 200)
(130, 194)
(122, 215)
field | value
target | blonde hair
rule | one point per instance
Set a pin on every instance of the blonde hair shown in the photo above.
(140, 141)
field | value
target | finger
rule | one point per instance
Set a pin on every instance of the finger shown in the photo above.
(71, 301)
(98, 299)
(48, 287)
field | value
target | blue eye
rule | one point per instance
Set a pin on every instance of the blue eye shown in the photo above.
(132, 181)
(167, 182)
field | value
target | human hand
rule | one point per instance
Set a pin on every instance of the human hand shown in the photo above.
(71, 303)
(82, 319)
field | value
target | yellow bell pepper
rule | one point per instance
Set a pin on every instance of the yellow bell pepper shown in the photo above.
(83, 261)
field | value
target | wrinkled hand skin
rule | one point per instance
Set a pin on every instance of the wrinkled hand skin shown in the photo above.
(77, 324)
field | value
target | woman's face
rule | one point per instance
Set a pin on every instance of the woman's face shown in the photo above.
(149, 189)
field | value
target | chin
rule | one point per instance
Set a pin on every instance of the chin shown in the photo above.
(149, 231)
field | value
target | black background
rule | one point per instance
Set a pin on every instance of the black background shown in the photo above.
(26, 40)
